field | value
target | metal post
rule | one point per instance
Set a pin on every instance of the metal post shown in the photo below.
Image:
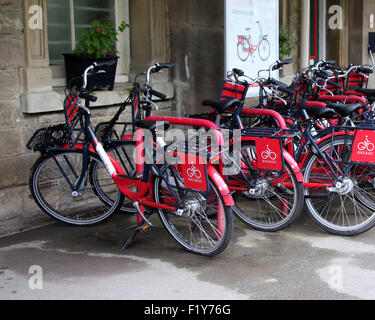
(305, 34)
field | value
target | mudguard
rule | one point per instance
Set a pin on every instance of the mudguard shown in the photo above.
(221, 184)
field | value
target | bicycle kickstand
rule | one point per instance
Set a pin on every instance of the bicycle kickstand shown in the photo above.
(144, 225)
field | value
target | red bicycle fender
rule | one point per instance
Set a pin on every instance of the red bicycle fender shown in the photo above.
(220, 183)
(294, 165)
(348, 99)
(79, 146)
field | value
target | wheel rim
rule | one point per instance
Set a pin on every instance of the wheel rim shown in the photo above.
(264, 50)
(54, 194)
(242, 54)
(342, 212)
(200, 231)
(271, 207)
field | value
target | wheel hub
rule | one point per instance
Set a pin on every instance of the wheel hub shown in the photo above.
(344, 187)
(259, 190)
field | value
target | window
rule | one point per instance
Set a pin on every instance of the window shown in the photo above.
(67, 19)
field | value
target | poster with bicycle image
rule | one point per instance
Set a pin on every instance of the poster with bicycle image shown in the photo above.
(251, 37)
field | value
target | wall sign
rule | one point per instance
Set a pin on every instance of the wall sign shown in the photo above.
(251, 36)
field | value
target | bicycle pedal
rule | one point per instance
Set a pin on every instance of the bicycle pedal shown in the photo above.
(145, 228)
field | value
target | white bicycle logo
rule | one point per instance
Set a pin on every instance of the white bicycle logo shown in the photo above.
(268, 154)
(194, 172)
(369, 146)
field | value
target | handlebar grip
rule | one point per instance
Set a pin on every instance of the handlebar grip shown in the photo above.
(332, 66)
(160, 66)
(286, 61)
(281, 63)
(285, 90)
(104, 64)
(88, 97)
(158, 94)
(330, 62)
(167, 65)
(321, 73)
(238, 72)
(276, 82)
(364, 70)
(334, 84)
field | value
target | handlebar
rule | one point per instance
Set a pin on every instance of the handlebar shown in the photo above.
(156, 68)
(87, 96)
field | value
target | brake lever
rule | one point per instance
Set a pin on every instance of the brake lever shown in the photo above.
(144, 99)
(87, 110)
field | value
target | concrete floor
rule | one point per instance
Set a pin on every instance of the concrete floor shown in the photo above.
(302, 262)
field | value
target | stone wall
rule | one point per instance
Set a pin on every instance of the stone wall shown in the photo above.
(17, 210)
(197, 46)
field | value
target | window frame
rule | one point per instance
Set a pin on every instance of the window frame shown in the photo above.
(121, 10)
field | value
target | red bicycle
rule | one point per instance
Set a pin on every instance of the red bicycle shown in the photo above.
(246, 48)
(198, 215)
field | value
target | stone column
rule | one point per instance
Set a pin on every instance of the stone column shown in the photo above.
(38, 95)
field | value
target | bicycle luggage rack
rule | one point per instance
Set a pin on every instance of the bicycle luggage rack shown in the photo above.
(68, 133)
(49, 137)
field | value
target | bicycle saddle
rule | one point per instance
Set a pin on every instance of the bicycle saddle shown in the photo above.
(221, 105)
(152, 125)
(367, 92)
(345, 109)
(318, 112)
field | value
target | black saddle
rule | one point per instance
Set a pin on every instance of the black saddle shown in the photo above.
(152, 125)
(366, 92)
(318, 112)
(345, 109)
(221, 105)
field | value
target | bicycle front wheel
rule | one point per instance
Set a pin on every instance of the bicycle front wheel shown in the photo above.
(204, 224)
(347, 208)
(53, 185)
(264, 49)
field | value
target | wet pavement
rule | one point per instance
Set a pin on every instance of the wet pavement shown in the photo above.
(302, 262)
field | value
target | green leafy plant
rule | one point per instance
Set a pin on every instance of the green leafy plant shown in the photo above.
(286, 44)
(99, 40)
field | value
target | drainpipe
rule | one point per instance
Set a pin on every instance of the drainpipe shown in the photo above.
(305, 34)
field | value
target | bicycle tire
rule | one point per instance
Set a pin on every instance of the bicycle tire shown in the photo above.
(265, 43)
(261, 212)
(53, 194)
(198, 233)
(356, 209)
(241, 48)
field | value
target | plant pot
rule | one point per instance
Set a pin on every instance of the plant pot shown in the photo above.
(76, 65)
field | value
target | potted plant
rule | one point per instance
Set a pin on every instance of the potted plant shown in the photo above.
(286, 45)
(98, 44)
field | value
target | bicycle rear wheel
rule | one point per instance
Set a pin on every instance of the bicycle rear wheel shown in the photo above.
(272, 201)
(51, 183)
(204, 226)
(347, 208)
